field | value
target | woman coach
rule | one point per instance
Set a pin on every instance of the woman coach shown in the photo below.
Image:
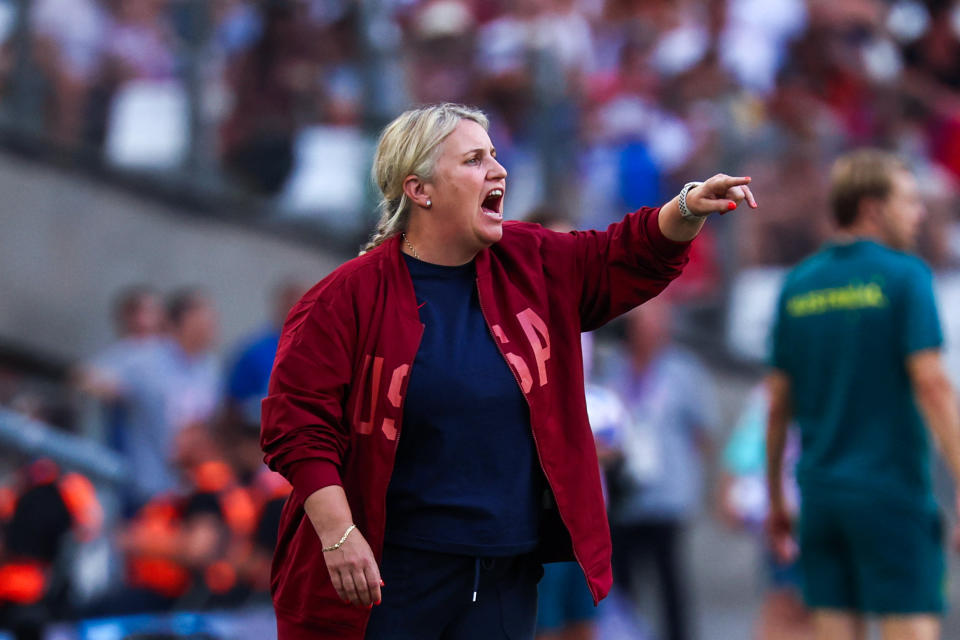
(427, 397)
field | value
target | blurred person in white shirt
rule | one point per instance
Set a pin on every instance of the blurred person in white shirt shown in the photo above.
(68, 39)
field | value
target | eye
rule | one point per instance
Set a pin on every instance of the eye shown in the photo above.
(474, 160)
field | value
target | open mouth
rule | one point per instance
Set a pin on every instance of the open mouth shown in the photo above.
(492, 205)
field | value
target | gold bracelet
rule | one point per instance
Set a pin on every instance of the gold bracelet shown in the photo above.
(342, 540)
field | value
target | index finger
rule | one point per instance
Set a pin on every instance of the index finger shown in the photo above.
(726, 182)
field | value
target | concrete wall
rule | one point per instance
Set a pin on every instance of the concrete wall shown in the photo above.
(68, 244)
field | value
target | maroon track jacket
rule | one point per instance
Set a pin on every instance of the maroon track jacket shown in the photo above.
(335, 405)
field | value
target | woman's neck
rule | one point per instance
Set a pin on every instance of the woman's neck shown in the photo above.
(431, 248)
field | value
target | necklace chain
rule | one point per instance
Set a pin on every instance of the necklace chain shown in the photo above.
(413, 250)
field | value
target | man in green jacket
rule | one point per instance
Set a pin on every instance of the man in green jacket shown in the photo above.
(856, 361)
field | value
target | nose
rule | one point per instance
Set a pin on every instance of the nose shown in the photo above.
(497, 171)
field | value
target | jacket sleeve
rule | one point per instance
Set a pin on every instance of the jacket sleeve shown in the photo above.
(303, 434)
(624, 266)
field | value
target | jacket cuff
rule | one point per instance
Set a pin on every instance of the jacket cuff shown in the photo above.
(313, 474)
(662, 245)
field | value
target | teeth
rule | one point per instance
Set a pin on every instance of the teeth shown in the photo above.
(495, 192)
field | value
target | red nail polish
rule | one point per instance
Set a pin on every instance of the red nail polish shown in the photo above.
(731, 206)
(382, 583)
(377, 602)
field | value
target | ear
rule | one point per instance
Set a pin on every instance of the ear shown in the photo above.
(416, 191)
(870, 210)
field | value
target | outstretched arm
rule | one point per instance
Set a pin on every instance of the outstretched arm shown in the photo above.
(635, 259)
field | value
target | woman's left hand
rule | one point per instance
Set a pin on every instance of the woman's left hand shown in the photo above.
(720, 194)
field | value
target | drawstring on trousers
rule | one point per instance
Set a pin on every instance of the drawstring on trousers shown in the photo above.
(486, 563)
(476, 578)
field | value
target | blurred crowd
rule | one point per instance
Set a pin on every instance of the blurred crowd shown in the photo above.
(193, 521)
(598, 106)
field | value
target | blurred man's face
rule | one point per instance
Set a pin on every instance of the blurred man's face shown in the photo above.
(147, 317)
(199, 327)
(902, 212)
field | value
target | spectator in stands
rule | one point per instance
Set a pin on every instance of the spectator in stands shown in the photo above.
(164, 387)
(441, 42)
(631, 128)
(237, 24)
(187, 548)
(215, 500)
(269, 82)
(659, 489)
(247, 381)
(68, 45)
(141, 44)
(505, 77)
(139, 320)
(531, 62)
(249, 372)
(270, 492)
(40, 512)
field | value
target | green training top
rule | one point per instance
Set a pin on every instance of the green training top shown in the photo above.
(847, 318)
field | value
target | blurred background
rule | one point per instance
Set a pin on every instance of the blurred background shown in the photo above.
(176, 172)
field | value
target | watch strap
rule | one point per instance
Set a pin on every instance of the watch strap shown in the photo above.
(682, 203)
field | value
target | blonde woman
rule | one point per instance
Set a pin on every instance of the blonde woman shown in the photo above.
(427, 399)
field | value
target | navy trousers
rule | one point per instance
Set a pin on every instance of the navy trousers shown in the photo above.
(430, 596)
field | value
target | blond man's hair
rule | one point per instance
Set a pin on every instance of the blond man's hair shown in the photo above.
(858, 175)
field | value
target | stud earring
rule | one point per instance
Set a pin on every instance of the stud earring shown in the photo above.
(429, 203)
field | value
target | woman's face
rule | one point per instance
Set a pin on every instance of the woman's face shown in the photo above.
(467, 189)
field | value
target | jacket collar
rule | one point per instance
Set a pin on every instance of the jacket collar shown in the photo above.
(482, 262)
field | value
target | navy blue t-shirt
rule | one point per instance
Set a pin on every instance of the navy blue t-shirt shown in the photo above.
(467, 479)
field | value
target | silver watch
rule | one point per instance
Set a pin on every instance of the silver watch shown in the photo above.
(684, 211)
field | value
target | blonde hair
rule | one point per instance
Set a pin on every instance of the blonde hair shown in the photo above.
(860, 174)
(409, 146)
